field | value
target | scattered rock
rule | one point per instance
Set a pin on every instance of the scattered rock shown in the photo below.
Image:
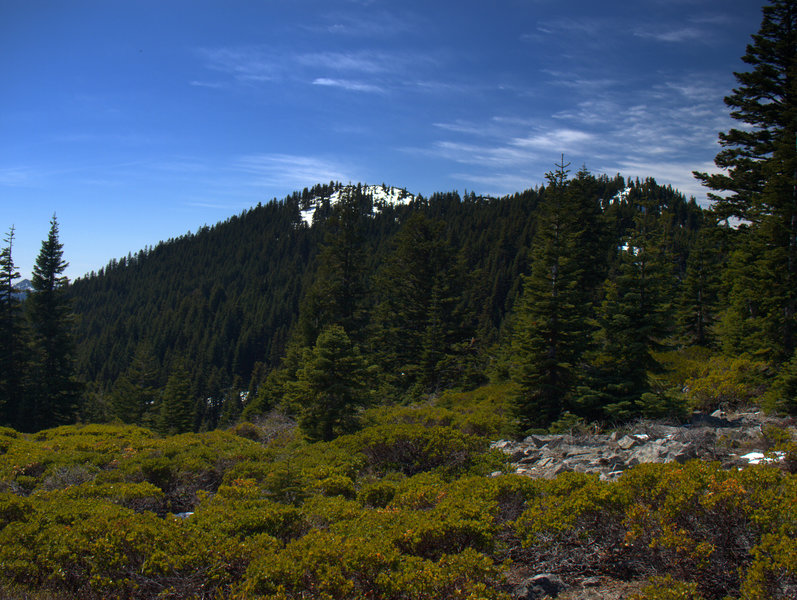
(540, 586)
(733, 441)
(627, 442)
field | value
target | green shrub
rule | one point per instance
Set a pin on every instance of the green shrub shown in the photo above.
(725, 381)
(240, 511)
(667, 588)
(135, 496)
(93, 548)
(377, 494)
(412, 449)
(323, 512)
(782, 394)
(335, 485)
(328, 565)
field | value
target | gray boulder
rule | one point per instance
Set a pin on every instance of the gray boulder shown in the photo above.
(540, 586)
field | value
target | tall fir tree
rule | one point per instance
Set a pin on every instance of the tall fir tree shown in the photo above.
(698, 300)
(632, 320)
(331, 386)
(414, 323)
(55, 391)
(177, 409)
(759, 185)
(12, 342)
(339, 290)
(551, 325)
(134, 396)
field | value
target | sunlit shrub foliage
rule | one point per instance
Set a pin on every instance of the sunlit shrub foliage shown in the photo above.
(411, 507)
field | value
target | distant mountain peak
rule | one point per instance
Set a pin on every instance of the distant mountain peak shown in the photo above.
(22, 289)
(24, 286)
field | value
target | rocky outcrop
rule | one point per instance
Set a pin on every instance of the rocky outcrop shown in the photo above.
(735, 441)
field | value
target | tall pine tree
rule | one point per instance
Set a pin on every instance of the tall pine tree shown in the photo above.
(339, 290)
(632, 321)
(55, 391)
(551, 326)
(330, 388)
(12, 343)
(759, 185)
(177, 409)
(414, 322)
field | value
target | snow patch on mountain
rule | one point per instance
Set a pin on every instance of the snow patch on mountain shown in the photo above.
(381, 196)
(22, 289)
(24, 286)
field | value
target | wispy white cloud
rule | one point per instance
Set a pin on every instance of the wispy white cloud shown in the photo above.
(360, 62)
(245, 64)
(682, 34)
(634, 129)
(357, 24)
(484, 155)
(675, 173)
(355, 71)
(581, 26)
(557, 139)
(346, 84)
(216, 85)
(289, 170)
(588, 84)
(226, 206)
(499, 184)
(488, 129)
(17, 176)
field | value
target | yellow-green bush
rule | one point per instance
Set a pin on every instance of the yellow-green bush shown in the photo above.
(377, 494)
(412, 449)
(398, 511)
(328, 565)
(483, 412)
(93, 548)
(726, 381)
(242, 511)
(668, 588)
(724, 531)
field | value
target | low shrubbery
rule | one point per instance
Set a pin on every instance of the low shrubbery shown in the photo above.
(403, 509)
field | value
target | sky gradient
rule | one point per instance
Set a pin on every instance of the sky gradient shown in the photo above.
(138, 121)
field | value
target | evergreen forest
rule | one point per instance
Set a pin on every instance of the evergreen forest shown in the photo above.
(315, 397)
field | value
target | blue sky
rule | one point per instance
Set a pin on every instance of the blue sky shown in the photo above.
(136, 121)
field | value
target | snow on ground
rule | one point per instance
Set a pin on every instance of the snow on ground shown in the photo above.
(621, 195)
(307, 215)
(755, 458)
(381, 196)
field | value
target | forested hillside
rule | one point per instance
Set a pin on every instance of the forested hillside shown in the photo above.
(423, 289)
(592, 294)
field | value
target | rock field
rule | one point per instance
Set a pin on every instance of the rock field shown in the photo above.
(735, 440)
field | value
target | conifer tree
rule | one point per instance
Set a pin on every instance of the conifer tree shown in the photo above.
(330, 388)
(414, 322)
(551, 323)
(55, 392)
(12, 343)
(233, 404)
(135, 393)
(759, 183)
(339, 290)
(632, 321)
(177, 410)
(699, 295)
